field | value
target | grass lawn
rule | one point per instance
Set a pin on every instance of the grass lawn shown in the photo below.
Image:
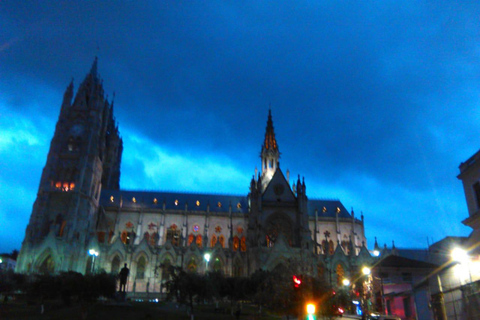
(20, 310)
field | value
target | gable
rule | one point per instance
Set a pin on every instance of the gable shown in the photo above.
(278, 189)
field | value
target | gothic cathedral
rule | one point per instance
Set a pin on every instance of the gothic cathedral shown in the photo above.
(81, 209)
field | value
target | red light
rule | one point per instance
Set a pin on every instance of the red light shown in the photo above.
(341, 310)
(297, 282)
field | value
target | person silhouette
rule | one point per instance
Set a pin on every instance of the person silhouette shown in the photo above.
(123, 278)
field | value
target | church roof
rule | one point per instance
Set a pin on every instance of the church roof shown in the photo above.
(218, 202)
(327, 208)
(174, 200)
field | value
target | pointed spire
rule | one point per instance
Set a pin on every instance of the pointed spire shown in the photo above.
(93, 70)
(270, 142)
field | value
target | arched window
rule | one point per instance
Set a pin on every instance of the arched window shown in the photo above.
(340, 274)
(141, 268)
(199, 241)
(331, 248)
(191, 238)
(221, 239)
(243, 244)
(217, 265)
(173, 234)
(236, 243)
(153, 239)
(126, 237)
(213, 242)
(192, 265)
(115, 265)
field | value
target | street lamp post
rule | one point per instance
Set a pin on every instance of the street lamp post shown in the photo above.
(94, 254)
(207, 259)
(366, 272)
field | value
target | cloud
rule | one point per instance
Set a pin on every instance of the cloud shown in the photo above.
(374, 103)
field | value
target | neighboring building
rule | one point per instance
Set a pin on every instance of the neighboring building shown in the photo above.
(79, 206)
(7, 263)
(400, 285)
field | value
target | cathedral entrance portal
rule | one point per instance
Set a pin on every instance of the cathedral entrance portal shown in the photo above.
(47, 266)
(277, 224)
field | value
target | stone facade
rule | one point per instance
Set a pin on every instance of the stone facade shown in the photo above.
(79, 206)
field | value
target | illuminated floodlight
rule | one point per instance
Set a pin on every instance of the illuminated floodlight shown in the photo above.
(366, 271)
(311, 308)
(92, 252)
(376, 253)
(459, 255)
(346, 282)
(207, 256)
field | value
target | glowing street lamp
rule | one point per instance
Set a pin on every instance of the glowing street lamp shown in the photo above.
(94, 254)
(461, 257)
(346, 282)
(366, 271)
(207, 259)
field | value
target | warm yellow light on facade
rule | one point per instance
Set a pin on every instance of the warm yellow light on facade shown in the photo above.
(134, 200)
(198, 203)
(112, 198)
(155, 200)
(176, 202)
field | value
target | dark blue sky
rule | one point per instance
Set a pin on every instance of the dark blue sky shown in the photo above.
(376, 103)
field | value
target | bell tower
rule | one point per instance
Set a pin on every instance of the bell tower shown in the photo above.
(269, 154)
(84, 157)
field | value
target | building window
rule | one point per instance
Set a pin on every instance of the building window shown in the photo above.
(221, 239)
(243, 244)
(213, 242)
(331, 248)
(141, 268)
(192, 265)
(126, 237)
(236, 243)
(191, 238)
(217, 265)
(173, 235)
(476, 189)
(198, 241)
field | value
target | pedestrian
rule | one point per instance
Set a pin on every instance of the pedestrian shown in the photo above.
(123, 278)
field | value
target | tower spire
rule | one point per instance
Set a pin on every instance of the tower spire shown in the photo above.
(93, 70)
(270, 153)
(270, 142)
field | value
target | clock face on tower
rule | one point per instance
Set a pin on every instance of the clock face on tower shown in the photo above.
(76, 130)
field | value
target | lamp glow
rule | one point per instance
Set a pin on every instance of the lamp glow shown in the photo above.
(346, 282)
(366, 271)
(459, 255)
(311, 308)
